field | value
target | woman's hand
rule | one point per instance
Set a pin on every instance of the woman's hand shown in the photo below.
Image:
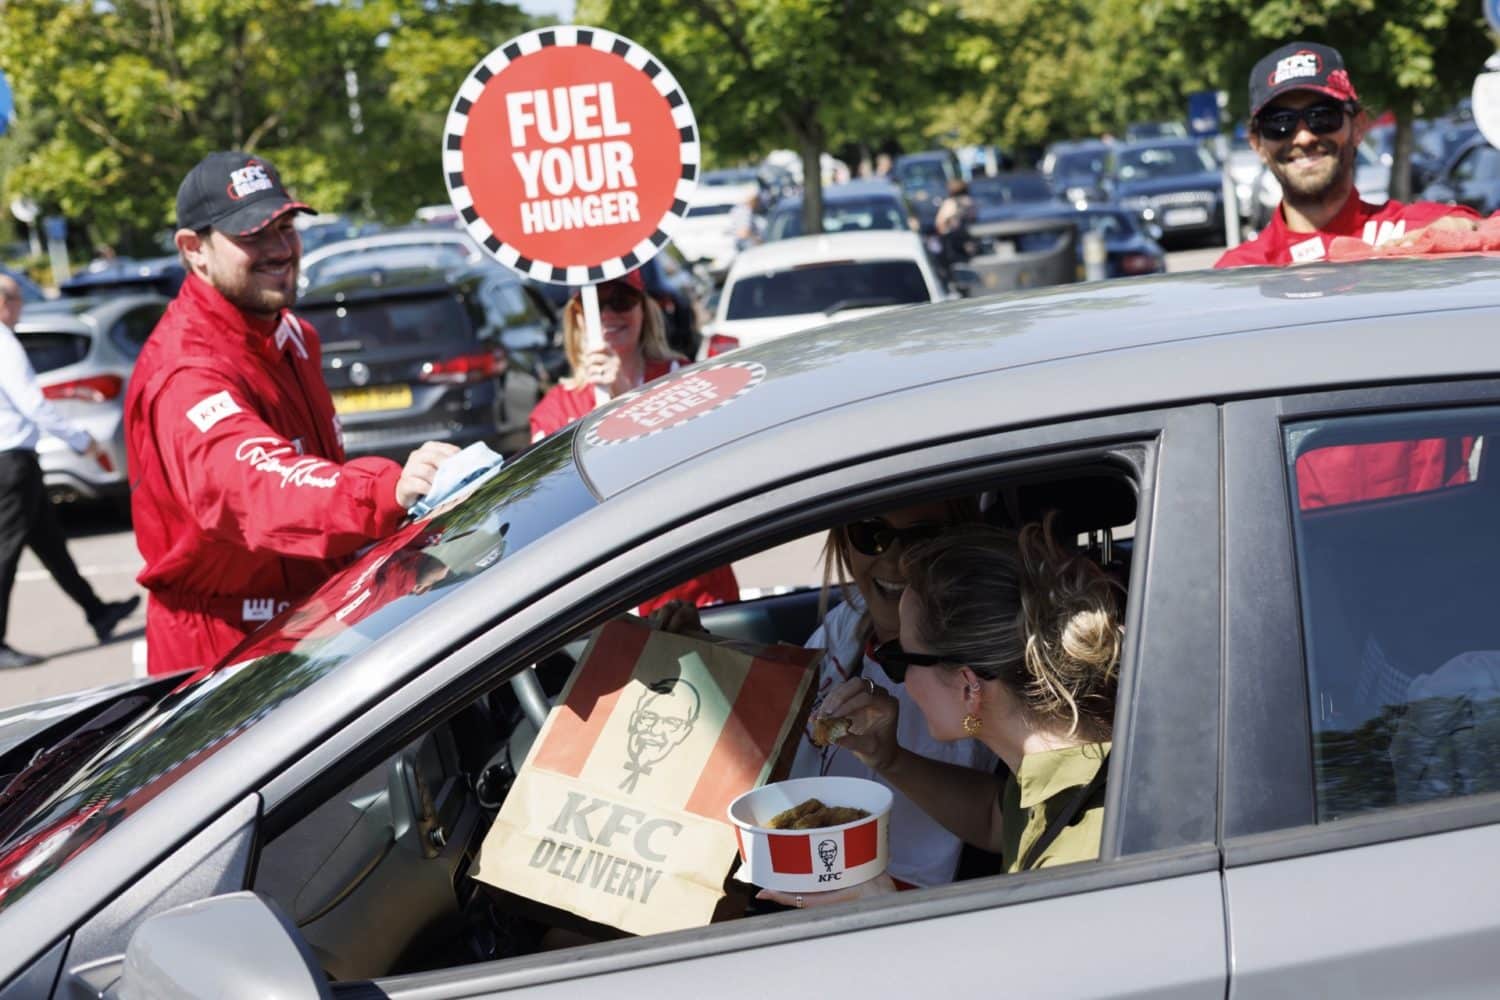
(678, 616)
(872, 712)
(880, 885)
(601, 366)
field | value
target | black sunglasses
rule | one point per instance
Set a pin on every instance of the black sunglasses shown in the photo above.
(619, 298)
(1321, 119)
(894, 660)
(874, 535)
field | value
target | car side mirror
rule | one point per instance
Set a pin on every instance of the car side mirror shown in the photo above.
(239, 945)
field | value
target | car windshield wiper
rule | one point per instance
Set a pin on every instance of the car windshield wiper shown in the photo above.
(866, 303)
(28, 788)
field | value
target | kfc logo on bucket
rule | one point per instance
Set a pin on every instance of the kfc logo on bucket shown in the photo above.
(570, 154)
(1295, 67)
(819, 859)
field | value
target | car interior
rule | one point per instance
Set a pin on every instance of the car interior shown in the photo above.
(378, 877)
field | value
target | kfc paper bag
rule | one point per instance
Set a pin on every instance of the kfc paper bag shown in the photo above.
(619, 813)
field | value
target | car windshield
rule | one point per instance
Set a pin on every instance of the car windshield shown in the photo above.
(1010, 190)
(1090, 162)
(827, 288)
(397, 257)
(1151, 162)
(393, 581)
(839, 216)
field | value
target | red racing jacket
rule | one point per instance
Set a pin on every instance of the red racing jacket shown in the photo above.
(241, 497)
(1373, 224)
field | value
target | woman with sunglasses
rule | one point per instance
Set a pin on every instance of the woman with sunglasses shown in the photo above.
(635, 351)
(862, 562)
(1011, 642)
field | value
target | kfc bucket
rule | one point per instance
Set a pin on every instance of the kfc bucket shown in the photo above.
(818, 859)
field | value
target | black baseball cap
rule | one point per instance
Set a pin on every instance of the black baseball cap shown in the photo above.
(1300, 66)
(235, 193)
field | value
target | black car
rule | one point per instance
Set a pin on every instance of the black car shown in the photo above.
(1470, 177)
(1173, 183)
(924, 178)
(857, 205)
(1008, 195)
(1077, 169)
(430, 355)
(127, 276)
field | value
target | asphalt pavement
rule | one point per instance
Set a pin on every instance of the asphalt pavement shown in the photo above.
(43, 621)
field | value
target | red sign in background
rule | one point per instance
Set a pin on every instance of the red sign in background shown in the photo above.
(497, 183)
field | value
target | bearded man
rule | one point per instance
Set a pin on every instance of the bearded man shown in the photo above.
(1306, 124)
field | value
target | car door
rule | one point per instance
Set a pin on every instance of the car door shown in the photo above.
(1090, 930)
(1361, 814)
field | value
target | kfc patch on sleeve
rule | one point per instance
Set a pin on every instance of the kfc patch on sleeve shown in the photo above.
(211, 410)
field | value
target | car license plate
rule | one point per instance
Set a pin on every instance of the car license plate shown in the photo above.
(375, 397)
(1184, 217)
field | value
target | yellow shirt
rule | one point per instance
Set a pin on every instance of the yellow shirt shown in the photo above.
(1045, 785)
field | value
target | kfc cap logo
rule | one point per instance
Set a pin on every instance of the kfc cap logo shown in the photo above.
(1295, 67)
(247, 180)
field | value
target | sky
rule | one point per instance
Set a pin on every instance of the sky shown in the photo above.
(561, 9)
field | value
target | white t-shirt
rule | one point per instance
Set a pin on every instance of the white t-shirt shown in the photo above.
(923, 852)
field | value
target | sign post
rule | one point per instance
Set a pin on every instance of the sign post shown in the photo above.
(571, 154)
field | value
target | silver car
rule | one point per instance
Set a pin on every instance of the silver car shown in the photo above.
(83, 350)
(1287, 471)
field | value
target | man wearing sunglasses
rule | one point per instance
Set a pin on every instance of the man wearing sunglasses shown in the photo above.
(1306, 124)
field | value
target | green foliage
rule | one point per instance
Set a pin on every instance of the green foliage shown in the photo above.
(133, 94)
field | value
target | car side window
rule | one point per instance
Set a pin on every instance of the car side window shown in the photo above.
(1396, 548)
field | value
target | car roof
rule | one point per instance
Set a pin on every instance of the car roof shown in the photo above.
(411, 236)
(80, 312)
(1071, 351)
(850, 191)
(388, 283)
(864, 244)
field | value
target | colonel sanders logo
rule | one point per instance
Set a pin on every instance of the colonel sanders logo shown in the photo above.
(663, 718)
(828, 853)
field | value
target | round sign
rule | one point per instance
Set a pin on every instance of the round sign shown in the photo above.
(675, 401)
(571, 154)
(1486, 106)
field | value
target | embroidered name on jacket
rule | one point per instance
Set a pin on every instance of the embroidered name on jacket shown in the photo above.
(264, 454)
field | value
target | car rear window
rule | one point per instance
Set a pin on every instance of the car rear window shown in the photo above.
(699, 211)
(48, 351)
(827, 288)
(390, 322)
(386, 258)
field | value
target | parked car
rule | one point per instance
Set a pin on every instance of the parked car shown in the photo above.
(319, 230)
(30, 290)
(127, 276)
(1155, 130)
(1470, 177)
(779, 288)
(707, 232)
(426, 354)
(1077, 169)
(1130, 245)
(1173, 183)
(1301, 788)
(855, 206)
(395, 249)
(83, 350)
(1005, 196)
(923, 178)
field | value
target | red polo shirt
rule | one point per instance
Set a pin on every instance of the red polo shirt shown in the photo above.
(1374, 224)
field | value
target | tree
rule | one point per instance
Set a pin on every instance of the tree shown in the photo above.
(347, 99)
(1408, 56)
(815, 72)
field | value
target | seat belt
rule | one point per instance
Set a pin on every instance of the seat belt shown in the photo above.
(1066, 815)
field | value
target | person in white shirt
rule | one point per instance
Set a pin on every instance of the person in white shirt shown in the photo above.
(26, 515)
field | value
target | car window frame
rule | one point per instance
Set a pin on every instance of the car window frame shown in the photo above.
(1177, 693)
(1269, 786)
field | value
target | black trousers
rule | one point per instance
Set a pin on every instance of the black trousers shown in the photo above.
(27, 519)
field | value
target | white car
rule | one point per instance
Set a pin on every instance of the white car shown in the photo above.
(707, 232)
(416, 247)
(789, 285)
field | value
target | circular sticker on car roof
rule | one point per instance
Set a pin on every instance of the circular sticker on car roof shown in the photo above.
(675, 401)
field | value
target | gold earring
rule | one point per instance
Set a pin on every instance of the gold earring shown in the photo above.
(972, 724)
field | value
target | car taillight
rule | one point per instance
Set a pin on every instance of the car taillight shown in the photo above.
(465, 368)
(94, 389)
(719, 343)
(1138, 263)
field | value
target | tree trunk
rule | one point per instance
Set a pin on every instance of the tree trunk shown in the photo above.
(1400, 187)
(810, 138)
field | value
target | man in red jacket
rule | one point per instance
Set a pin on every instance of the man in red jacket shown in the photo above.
(242, 500)
(1306, 124)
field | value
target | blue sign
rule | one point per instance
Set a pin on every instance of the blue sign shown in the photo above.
(1492, 13)
(55, 227)
(1203, 111)
(7, 104)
